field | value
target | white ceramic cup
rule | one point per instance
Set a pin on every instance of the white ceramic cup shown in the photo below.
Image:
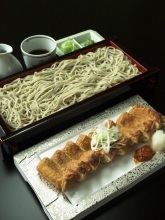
(38, 49)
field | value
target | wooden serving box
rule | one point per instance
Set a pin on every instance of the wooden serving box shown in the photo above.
(15, 141)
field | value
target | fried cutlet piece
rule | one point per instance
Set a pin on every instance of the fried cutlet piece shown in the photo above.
(108, 157)
(84, 142)
(75, 167)
(89, 159)
(145, 114)
(136, 126)
(92, 158)
(90, 134)
(122, 145)
(72, 160)
(65, 164)
(72, 150)
(149, 120)
(128, 126)
(83, 169)
(87, 163)
(60, 158)
(81, 151)
(109, 123)
(50, 172)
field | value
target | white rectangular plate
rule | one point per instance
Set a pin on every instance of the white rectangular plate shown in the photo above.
(122, 173)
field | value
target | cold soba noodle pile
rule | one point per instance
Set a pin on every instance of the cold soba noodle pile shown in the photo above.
(26, 100)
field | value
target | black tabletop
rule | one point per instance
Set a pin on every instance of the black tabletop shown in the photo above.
(139, 25)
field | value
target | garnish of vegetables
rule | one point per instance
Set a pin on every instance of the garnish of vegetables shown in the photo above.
(69, 46)
(87, 42)
(103, 138)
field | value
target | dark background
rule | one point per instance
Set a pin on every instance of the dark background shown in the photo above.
(140, 27)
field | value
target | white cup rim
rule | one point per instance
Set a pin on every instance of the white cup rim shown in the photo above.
(38, 36)
(7, 48)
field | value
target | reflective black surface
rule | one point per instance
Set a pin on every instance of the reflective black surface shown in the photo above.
(140, 27)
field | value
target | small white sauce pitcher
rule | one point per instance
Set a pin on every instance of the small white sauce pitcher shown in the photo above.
(8, 62)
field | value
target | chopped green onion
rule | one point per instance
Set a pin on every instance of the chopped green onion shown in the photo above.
(104, 138)
(87, 42)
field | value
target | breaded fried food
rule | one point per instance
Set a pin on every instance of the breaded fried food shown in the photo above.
(109, 123)
(66, 166)
(77, 160)
(139, 124)
(92, 158)
(60, 158)
(108, 157)
(72, 150)
(70, 165)
(51, 172)
(129, 128)
(76, 166)
(78, 169)
(84, 142)
(145, 114)
(122, 145)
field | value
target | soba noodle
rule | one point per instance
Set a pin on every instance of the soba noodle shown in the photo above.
(28, 99)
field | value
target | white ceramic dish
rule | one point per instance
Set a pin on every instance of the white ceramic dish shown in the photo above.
(78, 39)
(54, 203)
